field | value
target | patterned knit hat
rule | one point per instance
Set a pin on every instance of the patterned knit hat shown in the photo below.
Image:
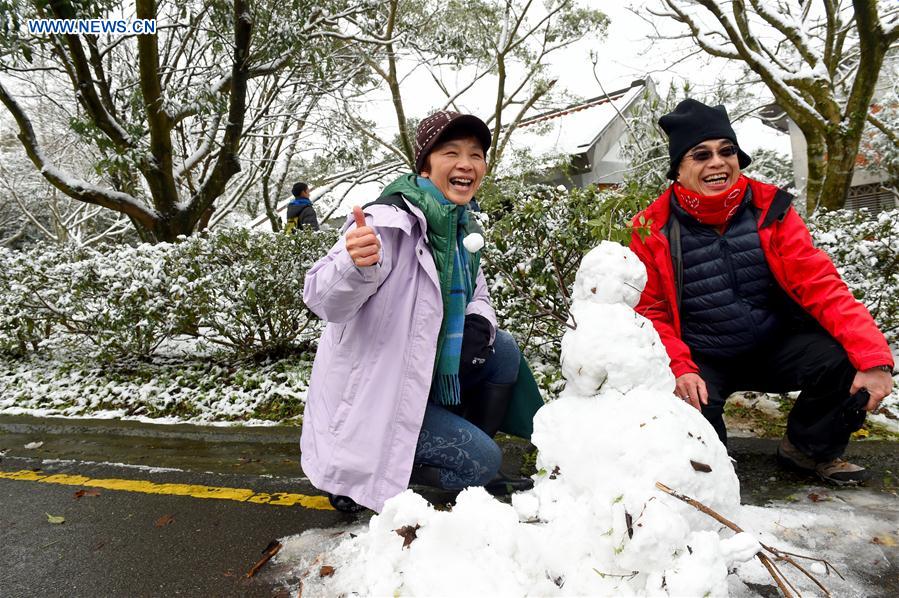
(437, 125)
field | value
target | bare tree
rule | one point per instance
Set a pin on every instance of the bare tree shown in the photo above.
(820, 60)
(460, 45)
(168, 113)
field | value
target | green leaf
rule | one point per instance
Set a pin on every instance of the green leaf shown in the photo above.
(56, 519)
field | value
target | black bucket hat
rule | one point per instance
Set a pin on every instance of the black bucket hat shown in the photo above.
(691, 123)
(435, 126)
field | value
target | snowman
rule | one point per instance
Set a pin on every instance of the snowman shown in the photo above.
(595, 522)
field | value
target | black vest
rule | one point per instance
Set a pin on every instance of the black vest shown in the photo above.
(730, 301)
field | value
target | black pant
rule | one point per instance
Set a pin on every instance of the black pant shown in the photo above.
(812, 362)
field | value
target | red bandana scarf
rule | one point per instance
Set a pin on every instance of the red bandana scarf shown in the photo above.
(713, 210)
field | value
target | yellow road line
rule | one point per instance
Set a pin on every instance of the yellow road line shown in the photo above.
(283, 499)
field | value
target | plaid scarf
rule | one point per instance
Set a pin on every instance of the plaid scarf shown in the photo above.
(445, 388)
(447, 225)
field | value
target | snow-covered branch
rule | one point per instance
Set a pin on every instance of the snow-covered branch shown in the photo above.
(202, 151)
(64, 181)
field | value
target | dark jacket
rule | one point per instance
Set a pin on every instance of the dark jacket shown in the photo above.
(300, 213)
(805, 274)
(730, 302)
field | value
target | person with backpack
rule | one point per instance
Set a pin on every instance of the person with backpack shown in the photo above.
(412, 377)
(742, 299)
(300, 211)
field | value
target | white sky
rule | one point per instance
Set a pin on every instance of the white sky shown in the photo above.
(625, 54)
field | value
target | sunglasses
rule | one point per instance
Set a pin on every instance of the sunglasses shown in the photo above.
(701, 155)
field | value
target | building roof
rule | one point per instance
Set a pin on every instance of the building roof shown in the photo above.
(574, 129)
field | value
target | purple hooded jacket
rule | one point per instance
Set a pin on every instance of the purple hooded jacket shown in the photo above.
(372, 372)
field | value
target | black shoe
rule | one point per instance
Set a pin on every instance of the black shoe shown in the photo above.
(344, 504)
(503, 484)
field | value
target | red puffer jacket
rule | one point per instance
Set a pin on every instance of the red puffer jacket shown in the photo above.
(804, 272)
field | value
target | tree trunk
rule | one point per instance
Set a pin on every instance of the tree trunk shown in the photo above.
(841, 156)
(816, 155)
(270, 208)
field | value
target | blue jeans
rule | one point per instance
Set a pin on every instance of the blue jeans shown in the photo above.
(465, 455)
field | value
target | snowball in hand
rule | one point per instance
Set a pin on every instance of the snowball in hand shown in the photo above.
(473, 242)
(610, 273)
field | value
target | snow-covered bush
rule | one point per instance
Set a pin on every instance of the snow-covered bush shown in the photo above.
(180, 388)
(245, 288)
(27, 317)
(866, 253)
(234, 288)
(534, 250)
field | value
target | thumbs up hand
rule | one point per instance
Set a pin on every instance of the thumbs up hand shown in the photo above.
(361, 242)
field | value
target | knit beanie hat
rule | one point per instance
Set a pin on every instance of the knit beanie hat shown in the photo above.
(436, 126)
(693, 122)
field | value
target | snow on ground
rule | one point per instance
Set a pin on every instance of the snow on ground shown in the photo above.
(828, 527)
(146, 468)
(596, 522)
(171, 389)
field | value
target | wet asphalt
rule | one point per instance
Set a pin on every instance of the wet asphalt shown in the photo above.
(118, 543)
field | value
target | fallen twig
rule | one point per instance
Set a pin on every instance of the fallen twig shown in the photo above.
(785, 586)
(270, 551)
(824, 562)
(776, 574)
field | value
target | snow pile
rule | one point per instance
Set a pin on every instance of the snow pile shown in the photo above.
(595, 523)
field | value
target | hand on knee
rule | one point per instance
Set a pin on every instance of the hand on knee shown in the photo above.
(878, 383)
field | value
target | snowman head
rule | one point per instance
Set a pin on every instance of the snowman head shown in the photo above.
(610, 273)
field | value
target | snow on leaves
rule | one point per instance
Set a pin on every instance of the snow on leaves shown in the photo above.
(233, 289)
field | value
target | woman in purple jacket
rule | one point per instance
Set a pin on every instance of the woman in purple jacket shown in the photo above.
(412, 378)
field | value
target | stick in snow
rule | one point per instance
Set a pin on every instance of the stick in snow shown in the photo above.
(785, 586)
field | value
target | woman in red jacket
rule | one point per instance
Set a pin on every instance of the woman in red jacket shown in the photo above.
(742, 300)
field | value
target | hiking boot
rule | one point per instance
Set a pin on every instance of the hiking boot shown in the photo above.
(502, 484)
(344, 504)
(836, 471)
(842, 472)
(791, 457)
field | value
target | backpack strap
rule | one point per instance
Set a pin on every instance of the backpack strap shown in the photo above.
(394, 199)
(673, 231)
